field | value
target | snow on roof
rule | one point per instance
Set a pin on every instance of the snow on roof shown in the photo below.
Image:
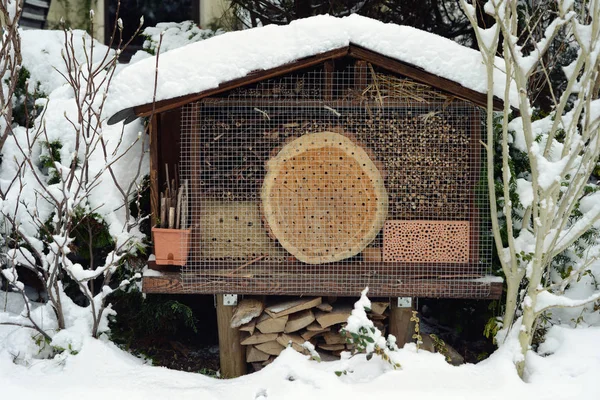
(204, 65)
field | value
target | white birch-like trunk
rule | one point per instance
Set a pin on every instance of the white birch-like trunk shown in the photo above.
(549, 219)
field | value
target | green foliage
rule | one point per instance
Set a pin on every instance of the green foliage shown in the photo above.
(42, 342)
(51, 155)
(141, 206)
(154, 316)
(363, 341)
(440, 347)
(24, 108)
(210, 372)
(518, 164)
(58, 349)
(596, 172)
(417, 335)
(491, 328)
(91, 237)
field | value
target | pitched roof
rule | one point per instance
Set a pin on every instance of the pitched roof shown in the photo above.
(206, 65)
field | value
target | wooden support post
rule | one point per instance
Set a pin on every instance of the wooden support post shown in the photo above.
(232, 354)
(328, 68)
(361, 78)
(154, 165)
(400, 324)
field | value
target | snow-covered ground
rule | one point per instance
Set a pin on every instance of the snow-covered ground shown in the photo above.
(568, 369)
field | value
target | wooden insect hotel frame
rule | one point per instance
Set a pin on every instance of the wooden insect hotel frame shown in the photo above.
(324, 176)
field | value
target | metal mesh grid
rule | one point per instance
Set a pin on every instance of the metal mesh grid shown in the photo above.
(425, 144)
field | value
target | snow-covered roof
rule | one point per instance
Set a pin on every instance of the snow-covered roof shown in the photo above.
(204, 65)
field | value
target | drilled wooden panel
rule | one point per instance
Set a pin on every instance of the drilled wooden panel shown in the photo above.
(235, 231)
(426, 241)
(323, 198)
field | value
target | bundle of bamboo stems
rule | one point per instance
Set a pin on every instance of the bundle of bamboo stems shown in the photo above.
(174, 203)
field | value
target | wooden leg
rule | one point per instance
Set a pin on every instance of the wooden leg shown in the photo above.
(400, 324)
(232, 356)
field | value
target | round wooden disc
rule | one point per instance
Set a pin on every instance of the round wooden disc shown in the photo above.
(323, 198)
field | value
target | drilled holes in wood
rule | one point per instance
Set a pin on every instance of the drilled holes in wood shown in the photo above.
(323, 198)
(234, 231)
(426, 241)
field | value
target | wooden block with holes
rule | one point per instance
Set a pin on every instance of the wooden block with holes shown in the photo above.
(298, 205)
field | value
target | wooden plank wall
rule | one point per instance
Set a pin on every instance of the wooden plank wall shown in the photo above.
(165, 142)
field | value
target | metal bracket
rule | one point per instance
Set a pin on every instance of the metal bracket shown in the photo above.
(230, 299)
(404, 302)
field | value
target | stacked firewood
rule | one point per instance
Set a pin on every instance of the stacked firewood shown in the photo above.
(268, 329)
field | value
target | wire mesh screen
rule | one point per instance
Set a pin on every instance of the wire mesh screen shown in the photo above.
(324, 183)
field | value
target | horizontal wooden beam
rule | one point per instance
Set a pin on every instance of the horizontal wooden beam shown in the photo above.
(164, 105)
(171, 282)
(422, 76)
(166, 282)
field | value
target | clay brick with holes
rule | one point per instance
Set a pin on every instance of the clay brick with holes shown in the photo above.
(426, 241)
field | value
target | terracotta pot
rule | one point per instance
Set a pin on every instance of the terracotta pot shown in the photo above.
(171, 246)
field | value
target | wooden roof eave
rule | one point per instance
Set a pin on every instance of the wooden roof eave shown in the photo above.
(355, 51)
(145, 110)
(422, 76)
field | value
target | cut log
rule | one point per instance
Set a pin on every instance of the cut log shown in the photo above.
(315, 327)
(273, 348)
(299, 320)
(375, 317)
(269, 361)
(266, 324)
(257, 366)
(245, 311)
(307, 335)
(325, 307)
(327, 356)
(331, 347)
(334, 338)
(255, 355)
(292, 306)
(259, 338)
(295, 340)
(452, 356)
(379, 307)
(338, 315)
(249, 327)
(380, 325)
(300, 200)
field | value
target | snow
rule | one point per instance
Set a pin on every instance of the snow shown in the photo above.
(549, 172)
(40, 50)
(151, 272)
(204, 65)
(42, 57)
(175, 35)
(489, 279)
(547, 300)
(525, 192)
(566, 367)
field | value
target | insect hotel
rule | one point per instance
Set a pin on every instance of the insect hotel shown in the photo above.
(314, 171)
